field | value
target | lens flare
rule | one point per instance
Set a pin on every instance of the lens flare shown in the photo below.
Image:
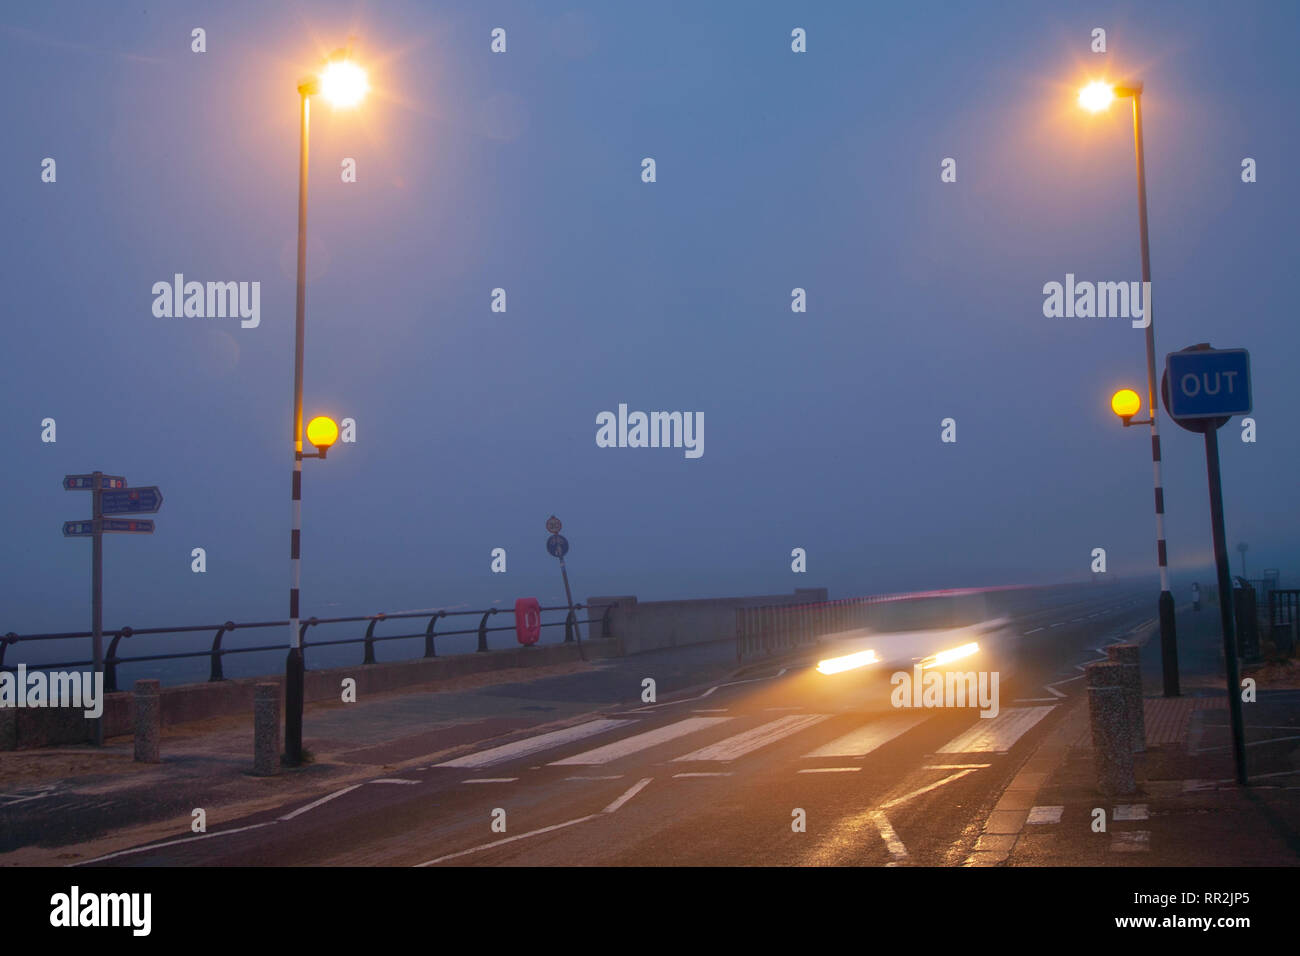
(343, 83)
(1096, 96)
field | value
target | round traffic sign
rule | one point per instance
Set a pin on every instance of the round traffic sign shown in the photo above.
(557, 545)
(553, 525)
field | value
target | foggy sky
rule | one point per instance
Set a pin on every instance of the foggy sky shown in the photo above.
(775, 170)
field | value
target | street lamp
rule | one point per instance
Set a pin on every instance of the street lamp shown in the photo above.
(1095, 97)
(342, 83)
(1125, 403)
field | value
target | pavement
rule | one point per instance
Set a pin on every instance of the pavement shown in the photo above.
(1188, 810)
(772, 765)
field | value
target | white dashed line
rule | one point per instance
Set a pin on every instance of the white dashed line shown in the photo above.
(713, 773)
(1040, 815)
(632, 791)
(158, 846)
(317, 803)
(895, 845)
(491, 780)
(1136, 811)
(830, 769)
(916, 793)
(511, 839)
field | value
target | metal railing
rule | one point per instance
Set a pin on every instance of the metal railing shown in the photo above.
(771, 628)
(1283, 607)
(216, 651)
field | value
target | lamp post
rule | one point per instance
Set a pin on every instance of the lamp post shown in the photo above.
(342, 83)
(1095, 97)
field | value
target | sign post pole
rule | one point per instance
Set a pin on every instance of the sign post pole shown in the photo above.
(109, 495)
(1202, 389)
(557, 545)
(1225, 602)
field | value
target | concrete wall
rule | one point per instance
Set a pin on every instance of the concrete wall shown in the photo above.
(641, 626)
(39, 727)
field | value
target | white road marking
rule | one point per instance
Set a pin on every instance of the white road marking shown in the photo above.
(532, 745)
(158, 846)
(1034, 631)
(829, 769)
(641, 741)
(996, 735)
(1135, 811)
(1130, 841)
(393, 780)
(611, 776)
(1044, 815)
(956, 766)
(869, 737)
(491, 780)
(313, 805)
(1061, 624)
(510, 839)
(709, 710)
(916, 793)
(732, 748)
(895, 845)
(712, 773)
(632, 791)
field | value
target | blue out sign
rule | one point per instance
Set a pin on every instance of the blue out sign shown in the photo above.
(1208, 383)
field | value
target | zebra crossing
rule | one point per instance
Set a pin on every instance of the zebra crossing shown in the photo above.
(995, 735)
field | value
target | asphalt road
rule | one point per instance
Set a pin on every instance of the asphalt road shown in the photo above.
(721, 775)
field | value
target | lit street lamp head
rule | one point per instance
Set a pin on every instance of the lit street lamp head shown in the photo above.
(343, 83)
(322, 432)
(1098, 95)
(1126, 403)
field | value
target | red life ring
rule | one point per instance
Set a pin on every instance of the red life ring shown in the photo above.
(528, 620)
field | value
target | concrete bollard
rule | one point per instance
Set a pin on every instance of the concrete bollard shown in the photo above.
(266, 729)
(1111, 740)
(148, 721)
(1128, 656)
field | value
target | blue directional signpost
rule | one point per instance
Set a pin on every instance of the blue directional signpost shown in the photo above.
(110, 495)
(1202, 389)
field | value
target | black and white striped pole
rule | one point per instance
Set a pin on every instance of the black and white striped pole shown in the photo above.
(1096, 97)
(343, 83)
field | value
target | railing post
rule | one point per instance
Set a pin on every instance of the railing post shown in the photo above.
(370, 639)
(429, 635)
(482, 629)
(10, 638)
(570, 623)
(217, 672)
(604, 620)
(110, 659)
